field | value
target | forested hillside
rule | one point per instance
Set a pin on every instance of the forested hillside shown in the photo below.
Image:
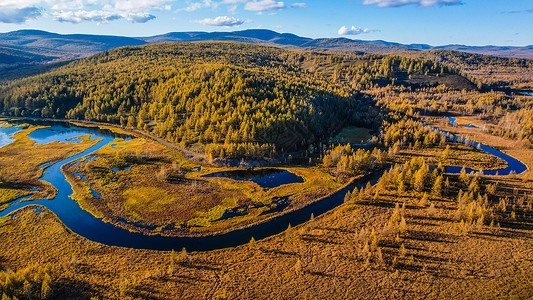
(249, 100)
(487, 71)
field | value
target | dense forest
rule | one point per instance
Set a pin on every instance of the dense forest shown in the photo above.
(228, 99)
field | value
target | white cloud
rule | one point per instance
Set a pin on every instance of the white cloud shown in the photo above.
(224, 21)
(141, 17)
(78, 11)
(101, 16)
(193, 6)
(264, 5)
(11, 4)
(420, 3)
(19, 11)
(353, 31)
(81, 16)
(18, 15)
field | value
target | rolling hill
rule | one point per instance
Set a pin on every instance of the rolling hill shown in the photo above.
(44, 47)
(234, 99)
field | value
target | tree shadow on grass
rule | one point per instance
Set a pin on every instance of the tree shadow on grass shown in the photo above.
(422, 223)
(437, 271)
(430, 259)
(316, 239)
(425, 217)
(322, 274)
(182, 279)
(83, 268)
(2, 263)
(382, 204)
(517, 226)
(65, 288)
(420, 235)
(165, 287)
(508, 233)
(340, 230)
(277, 251)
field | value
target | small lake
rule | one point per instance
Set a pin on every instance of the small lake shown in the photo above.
(265, 178)
(59, 133)
(7, 132)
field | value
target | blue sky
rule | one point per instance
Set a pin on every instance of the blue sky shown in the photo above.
(435, 22)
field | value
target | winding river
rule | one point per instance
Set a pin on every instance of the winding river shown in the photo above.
(92, 228)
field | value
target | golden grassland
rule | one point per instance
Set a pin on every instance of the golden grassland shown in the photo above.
(20, 161)
(159, 189)
(347, 253)
(9, 195)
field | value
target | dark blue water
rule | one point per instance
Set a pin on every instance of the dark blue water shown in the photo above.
(120, 169)
(527, 93)
(454, 122)
(6, 134)
(265, 178)
(19, 200)
(86, 225)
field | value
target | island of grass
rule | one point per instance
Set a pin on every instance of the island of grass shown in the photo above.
(156, 190)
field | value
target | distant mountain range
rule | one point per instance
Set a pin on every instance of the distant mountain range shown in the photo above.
(25, 48)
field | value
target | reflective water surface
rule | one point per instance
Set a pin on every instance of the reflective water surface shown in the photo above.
(265, 178)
